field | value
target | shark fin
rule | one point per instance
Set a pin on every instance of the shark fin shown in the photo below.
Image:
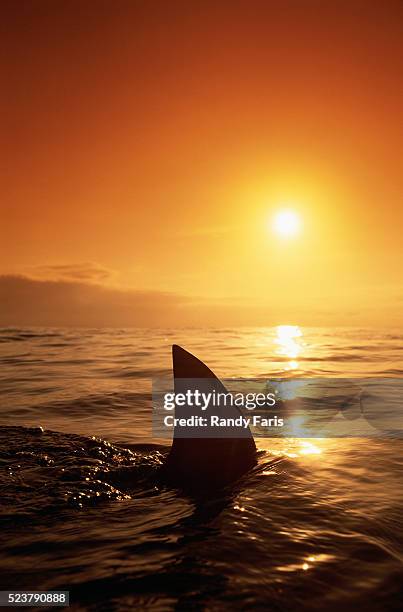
(205, 462)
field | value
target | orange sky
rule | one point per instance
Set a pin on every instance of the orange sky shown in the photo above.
(146, 145)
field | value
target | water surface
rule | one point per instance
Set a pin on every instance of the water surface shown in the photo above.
(317, 525)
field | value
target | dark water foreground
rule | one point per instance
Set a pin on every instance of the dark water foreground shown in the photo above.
(84, 515)
(317, 525)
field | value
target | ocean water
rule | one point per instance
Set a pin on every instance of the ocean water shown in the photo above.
(317, 525)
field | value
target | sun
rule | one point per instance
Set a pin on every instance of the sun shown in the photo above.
(286, 223)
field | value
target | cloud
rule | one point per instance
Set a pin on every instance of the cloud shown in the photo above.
(87, 271)
(29, 301)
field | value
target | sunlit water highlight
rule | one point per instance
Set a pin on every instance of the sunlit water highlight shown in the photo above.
(317, 525)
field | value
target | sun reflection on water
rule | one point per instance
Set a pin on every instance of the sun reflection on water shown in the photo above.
(307, 563)
(293, 448)
(288, 345)
(309, 448)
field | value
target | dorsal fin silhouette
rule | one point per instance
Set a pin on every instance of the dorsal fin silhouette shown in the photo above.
(205, 462)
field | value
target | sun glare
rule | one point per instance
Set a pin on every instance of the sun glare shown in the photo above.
(286, 223)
